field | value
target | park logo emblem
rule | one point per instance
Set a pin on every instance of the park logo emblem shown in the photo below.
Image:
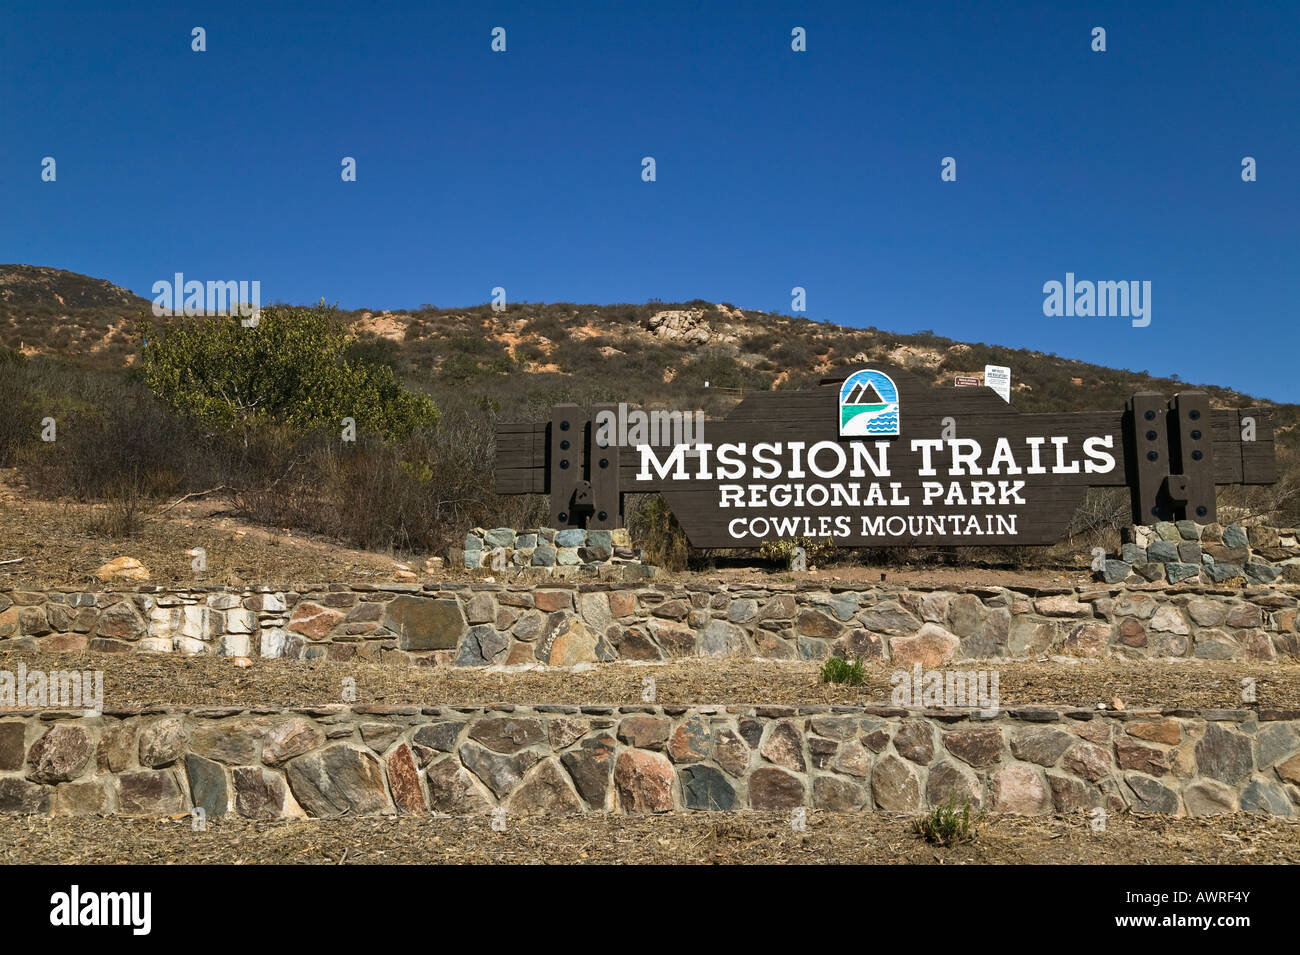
(868, 405)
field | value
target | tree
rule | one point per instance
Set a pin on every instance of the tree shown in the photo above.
(294, 368)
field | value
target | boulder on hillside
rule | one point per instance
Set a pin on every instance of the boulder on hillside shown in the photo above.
(123, 568)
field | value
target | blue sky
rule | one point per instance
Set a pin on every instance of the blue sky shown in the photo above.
(775, 169)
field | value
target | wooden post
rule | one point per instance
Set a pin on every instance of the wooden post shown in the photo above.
(1192, 449)
(1148, 452)
(566, 449)
(602, 472)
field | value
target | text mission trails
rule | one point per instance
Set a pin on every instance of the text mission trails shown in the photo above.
(790, 463)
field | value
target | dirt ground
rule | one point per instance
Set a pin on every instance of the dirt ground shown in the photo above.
(877, 838)
(58, 546)
(141, 679)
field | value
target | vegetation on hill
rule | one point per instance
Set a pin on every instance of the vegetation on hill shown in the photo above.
(292, 368)
(209, 404)
(50, 311)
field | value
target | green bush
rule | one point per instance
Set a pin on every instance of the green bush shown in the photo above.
(838, 670)
(947, 824)
(292, 368)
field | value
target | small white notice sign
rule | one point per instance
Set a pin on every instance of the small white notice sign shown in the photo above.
(998, 377)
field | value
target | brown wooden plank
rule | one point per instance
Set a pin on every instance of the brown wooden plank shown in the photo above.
(1231, 454)
(518, 449)
(519, 459)
(1258, 457)
(521, 449)
(1227, 462)
(520, 481)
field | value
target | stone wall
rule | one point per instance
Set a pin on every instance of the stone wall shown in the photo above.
(562, 623)
(560, 553)
(1213, 554)
(322, 761)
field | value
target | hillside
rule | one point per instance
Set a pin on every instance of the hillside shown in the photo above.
(50, 311)
(656, 352)
(40, 289)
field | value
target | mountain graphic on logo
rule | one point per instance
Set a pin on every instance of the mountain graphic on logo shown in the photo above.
(868, 405)
(864, 395)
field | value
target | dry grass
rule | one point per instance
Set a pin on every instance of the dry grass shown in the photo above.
(63, 543)
(137, 679)
(878, 838)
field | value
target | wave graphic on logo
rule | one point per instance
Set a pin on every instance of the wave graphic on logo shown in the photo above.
(868, 405)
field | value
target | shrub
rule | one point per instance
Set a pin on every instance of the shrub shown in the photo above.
(781, 552)
(121, 517)
(419, 494)
(19, 420)
(652, 524)
(109, 433)
(377, 351)
(795, 353)
(837, 670)
(947, 824)
(292, 368)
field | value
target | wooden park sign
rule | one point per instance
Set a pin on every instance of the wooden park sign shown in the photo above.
(881, 458)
